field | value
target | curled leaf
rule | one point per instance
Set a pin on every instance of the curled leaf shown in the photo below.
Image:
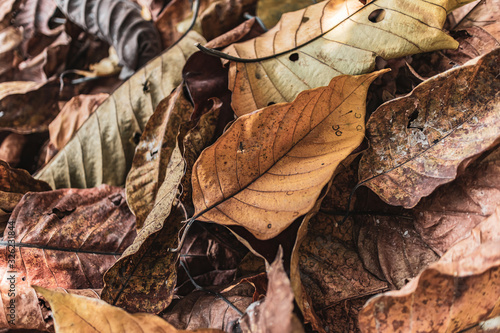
(270, 166)
(419, 141)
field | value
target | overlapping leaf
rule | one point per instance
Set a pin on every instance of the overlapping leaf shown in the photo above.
(63, 239)
(309, 47)
(418, 141)
(74, 313)
(459, 291)
(269, 167)
(110, 135)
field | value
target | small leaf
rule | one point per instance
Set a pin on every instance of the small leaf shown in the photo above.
(419, 141)
(459, 291)
(310, 46)
(103, 148)
(269, 167)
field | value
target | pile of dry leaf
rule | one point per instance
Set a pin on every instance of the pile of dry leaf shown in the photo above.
(339, 172)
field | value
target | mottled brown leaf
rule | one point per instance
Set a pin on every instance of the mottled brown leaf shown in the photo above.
(457, 292)
(143, 279)
(11, 148)
(103, 148)
(119, 23)
(153, 153)
(72, 116)
(419, 141)
(65, 239)
(448, 214)
(29, 111)
(482, 13)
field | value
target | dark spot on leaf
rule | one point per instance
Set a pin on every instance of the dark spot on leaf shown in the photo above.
(270, 103)
(377, 15)
(294, 57)
(146, 86)
(412, 118)
(396, 324)
(116, 199)
(136, 138)
(269, 226)
(305, 19)
(23, 278)
(257, 76)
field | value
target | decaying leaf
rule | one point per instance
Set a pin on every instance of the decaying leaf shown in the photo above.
(11, 148)
(61, 239)
(419, 141)
(459, 291)
(310, 46)
(136, 41)
(112, 132)
(275, 313)
(75, 313)
(448, 214)
(72, 116)
(482, 13)
(270, 11)
(143, 279)
(270, 166)
(153, 153)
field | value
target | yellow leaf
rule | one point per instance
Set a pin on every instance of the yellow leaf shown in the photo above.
(74, 313)
(269, 167)
(310, 46)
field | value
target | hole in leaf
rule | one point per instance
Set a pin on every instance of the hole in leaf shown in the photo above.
(377, 15)
(270, 103)
(294, 57)
(136, 138)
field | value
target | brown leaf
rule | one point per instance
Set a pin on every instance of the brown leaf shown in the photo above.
(310, 46)
(11, 148)
(110, 135)
(82, 314)
(245, 31)
(201, 309)
(10, 38)
(446, 120)
(61, 239)
(153, 153)
(143, 279)
(136, 41)
(482, 13)
(19, 181)
(269, 167)
(457, 292)
(34, 17)
(448, 214)
(270, 11)
(275, 313)
(72, 116)
(30, 108)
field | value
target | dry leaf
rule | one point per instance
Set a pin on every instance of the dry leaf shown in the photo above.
(275, 313)
(10, 38)
(11, 148)
(448, 214)
(309, 47)
(112, 132)
(153, 153)
(136, 41)
(270, 11)
(143, 279)
(419, 141)
(482, 13)
(71, 118)
(269, 167)
(459, 291)
(61, 239)
(74, 313)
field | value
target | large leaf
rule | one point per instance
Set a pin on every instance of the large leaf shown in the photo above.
(74, 313)
(269, 167)
(419, 141)
(459, 291)
(310, 46)
(450, 212)
(103, 149)
(61, 239)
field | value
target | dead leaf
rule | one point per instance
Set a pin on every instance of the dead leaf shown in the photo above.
(72, 116)
(74, 313)
(269, 167)
(245, 31)
(116, 126)
(10, 38)
(459, 291)
(34, 17)
(202, 309)
(330, 40)
(153, 153)
(143, 279)
(30, 108)
(482, 13)
(446, 120)
(448, 214)
(270, 11)
(11, 148)
(275, 313)
(136, 41)
(61, 239)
